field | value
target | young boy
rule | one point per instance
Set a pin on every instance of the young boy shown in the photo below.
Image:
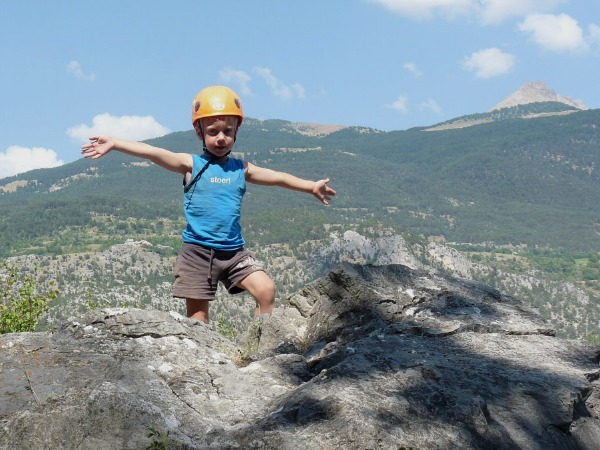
(214, 184)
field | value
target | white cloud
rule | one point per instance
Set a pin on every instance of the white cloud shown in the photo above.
(75, 68)
(426, 9)
(594, 35)
(412, 68)
(400, 104)
(18, 159)
(559, 33)
(135, 128)
(299, 90)
(488, 11)
(431, 105)
(278, 88)
(489, 63)
(496, 11)
(239, 78)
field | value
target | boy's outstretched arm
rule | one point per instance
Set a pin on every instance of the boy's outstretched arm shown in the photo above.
(268, 177)
(101, 145)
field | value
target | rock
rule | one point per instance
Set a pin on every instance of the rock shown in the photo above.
(355, 248)
(537, 92)
(365, 358)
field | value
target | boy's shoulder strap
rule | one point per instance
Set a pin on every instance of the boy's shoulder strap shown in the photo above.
(192, 182)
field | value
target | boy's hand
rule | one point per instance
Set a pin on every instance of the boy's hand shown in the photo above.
(98, 146)
(322, 192)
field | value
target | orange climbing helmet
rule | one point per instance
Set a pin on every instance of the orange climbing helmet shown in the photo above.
(217, 101)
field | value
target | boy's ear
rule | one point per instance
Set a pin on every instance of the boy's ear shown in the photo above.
(198, 128)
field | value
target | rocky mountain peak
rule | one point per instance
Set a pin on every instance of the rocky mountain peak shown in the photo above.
(535, 92)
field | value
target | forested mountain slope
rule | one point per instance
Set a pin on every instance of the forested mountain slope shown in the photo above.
(512, 181)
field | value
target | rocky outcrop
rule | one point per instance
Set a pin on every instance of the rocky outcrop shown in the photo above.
(352, 247)
(365, 358)
(537, 92)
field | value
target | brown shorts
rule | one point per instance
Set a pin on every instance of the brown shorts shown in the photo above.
(198, 271)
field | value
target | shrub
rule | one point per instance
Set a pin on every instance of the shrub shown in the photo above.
(21, 305)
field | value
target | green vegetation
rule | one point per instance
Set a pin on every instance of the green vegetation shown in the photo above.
(21, 305)
(511, 181)
(581, 269)
(159, 440)
(524, 190)
(226, 327)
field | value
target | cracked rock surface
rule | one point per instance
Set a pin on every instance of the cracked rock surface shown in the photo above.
(365, 358)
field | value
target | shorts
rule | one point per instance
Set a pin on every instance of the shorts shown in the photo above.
(199, 269)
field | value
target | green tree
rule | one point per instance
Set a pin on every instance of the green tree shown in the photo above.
(21, 305)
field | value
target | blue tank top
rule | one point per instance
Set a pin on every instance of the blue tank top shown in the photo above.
(213, 205)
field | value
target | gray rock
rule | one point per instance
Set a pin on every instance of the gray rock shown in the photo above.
(365, 358)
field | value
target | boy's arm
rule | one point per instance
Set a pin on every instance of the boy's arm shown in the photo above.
(175, 162)
(268, 177)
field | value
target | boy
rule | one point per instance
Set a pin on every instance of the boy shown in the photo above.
(214, 184)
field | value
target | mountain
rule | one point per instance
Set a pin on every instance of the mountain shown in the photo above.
(510, 181)
(532, 100)
(537, 92)
(513, 200)
(364, 358)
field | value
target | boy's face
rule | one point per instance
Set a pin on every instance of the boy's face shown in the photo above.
(219, 134)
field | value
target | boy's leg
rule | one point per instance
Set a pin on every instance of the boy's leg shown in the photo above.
(192, 281)
(262, 288)
(197, 309)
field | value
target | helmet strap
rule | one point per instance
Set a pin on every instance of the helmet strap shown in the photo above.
(212, 157)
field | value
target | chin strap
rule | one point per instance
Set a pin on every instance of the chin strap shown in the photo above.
(212, 157)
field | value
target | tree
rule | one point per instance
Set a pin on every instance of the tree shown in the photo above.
(21, 305)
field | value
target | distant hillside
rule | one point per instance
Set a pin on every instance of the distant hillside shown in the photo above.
(524, 111)
(509, 181)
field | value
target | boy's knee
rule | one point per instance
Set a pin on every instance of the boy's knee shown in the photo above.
(267, 291)
(265, 300)
(260, 286)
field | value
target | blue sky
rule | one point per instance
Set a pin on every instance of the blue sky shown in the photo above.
(131, 68)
